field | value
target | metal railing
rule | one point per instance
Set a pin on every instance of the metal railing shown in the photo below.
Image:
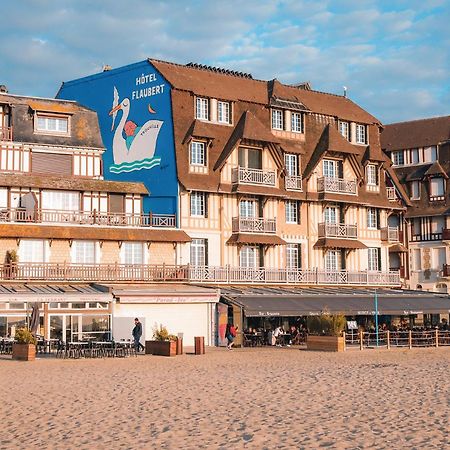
(390, 234)
(336, 185)
(6, 133)
(87, 218)
(339, 230)
(189, 273)
(253, 225)
(243, 175)
(391, 193)
(293, 183)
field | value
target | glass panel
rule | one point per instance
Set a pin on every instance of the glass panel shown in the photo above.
(56, 327)
(254, 159)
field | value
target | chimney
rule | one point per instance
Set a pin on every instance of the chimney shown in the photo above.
(345, 91)
(106, 68)
(3, 89)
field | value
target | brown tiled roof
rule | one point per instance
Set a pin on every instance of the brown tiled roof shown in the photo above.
(338, 243)
(71, 184)
(334, 141)
(263, 239)
(416, 133)
(92, 233)
(398, 248)
(436, 169)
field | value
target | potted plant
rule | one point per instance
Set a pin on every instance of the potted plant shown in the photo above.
(24, 346)
(325, 332)
(11, 260)
(163, 343)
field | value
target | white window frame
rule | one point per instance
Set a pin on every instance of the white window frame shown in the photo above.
(372, 218)
(430, 154)
(361, 133)
(373, 259)
(437, 187)
(223, 112)
(398, 158)
(332, 260)
(344, 129)
(330, 168)
(331, 214)
(202, 108)
(249, 257)
(415, 190)
(132, 249)
(36, 247)
(248, 208)
(43, 124)
(197, 204)
(414, 151)
(291, 164)
(60, 200)
(296, 122)
(372, 175)
(198, 252)
(293, 254)
(291, 210)
(86, 249)
(277, 119)
(197, 153)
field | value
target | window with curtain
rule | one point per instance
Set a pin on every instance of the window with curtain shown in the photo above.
(83, 252)
(199, 252)
(249, 257)
(132, 253)
(32, 251)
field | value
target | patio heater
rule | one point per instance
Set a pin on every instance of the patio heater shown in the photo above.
(376, 316)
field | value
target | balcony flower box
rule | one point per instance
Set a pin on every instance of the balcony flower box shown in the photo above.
(326, 333)
(161, 348)
(24, 352)
(325, 343)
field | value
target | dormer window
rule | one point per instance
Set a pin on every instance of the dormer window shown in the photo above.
(344, 129)
(51, 124)
(361, 135)
(415, 190)
(197, 153)
(202, 108)
(372, 175)
(296, 122)
(223, 112)
(398, 158)
(437, 188)
(277, 119)
(430, 154)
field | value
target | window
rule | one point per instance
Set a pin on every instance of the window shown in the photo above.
(330, 214)
(52, 124)
(202, 108)
(398, 158)
(415, 190)
(293, 256)
(291, 163)
(199, 255)
(344, 129)
(292, 211)
(372, 175)
(60, 200)
(296, 122)
(372, 218)
(438, 258)
(223, 112)
(133, 253)
(197, 153)
(332, 258)
(83, 252)
(249, 257)
(415, 156)
(247, 208)
(361, 134)
(198, 204)
(374, 261)
(251, 158)
(417, 260)
(277, 119)
(32, 251)
(430, 154)
(437, 187)
(330, 168)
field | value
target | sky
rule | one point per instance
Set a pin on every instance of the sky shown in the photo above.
(393, 56)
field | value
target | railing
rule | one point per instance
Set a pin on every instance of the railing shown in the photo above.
(340, 230)
(446, 234)
(446, 270)
(6, 133)
(187, 273)
(336, 185)
(242, 175)
(87, 218)
(293, 183)
(404, 339)
(426, 237)
(391, 193)
(390, 234)
(253, 225)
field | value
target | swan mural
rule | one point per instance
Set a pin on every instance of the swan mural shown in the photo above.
(136, 150)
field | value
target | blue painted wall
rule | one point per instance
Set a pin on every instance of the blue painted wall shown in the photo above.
(138, 135)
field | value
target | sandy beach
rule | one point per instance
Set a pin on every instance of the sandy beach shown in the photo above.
(246, 398)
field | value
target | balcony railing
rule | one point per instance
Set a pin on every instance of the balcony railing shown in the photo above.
(87, 218)
(6, 133)
(426, 237)
(253, 225)
(336, 185)
(446, 270)
(391, 193)
(390, 234)
(293, 183)
(194, 274)
(338, 230)
(242, 175)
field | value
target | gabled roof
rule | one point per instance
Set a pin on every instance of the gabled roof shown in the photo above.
(436, 169)
(416, 133)
(201, 129)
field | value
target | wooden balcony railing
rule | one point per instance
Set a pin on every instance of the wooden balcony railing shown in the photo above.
(253, 225)
(242, 175)
(446, 270)
(336, 185)
(391, 193)
(195, 274)
(338, 230)
(6, 133)
(426, 237)
(293, 183)
(87, 218)
(390, 234)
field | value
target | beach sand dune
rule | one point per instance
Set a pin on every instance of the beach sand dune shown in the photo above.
(247, 398)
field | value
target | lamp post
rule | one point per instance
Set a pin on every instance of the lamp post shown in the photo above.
(376, 316)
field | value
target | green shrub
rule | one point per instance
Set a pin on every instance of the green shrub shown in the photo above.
(161, 334)
(24, 336)
(326, 324)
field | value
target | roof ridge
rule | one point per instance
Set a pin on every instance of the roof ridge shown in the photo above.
(418, 120)
(7, 94)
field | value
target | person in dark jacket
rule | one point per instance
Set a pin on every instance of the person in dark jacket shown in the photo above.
(137, 333)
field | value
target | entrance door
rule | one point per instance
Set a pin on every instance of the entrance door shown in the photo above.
(65, 327)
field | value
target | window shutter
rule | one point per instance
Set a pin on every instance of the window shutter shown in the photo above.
(116, 203)
(379, 258)
(299, 217)
(299, 256)
(340, 165)
(343, 260)
(378, 219)
(51, 163)
(261, 256)
(206, 198)
(206, 251)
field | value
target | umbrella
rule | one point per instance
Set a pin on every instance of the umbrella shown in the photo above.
(34, 319)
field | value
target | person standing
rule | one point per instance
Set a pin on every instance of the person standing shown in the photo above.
(137, 333)
(230, 335)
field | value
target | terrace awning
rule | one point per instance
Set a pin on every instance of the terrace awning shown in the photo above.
(338, 243)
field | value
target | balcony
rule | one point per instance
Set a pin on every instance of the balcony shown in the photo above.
(87, 218)
(391, 193)
(242, 175)
(6, 133)
(390, 234)
(192, 274)
(338, 230)
(336, 185)
(253, 225)
(293, 183)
